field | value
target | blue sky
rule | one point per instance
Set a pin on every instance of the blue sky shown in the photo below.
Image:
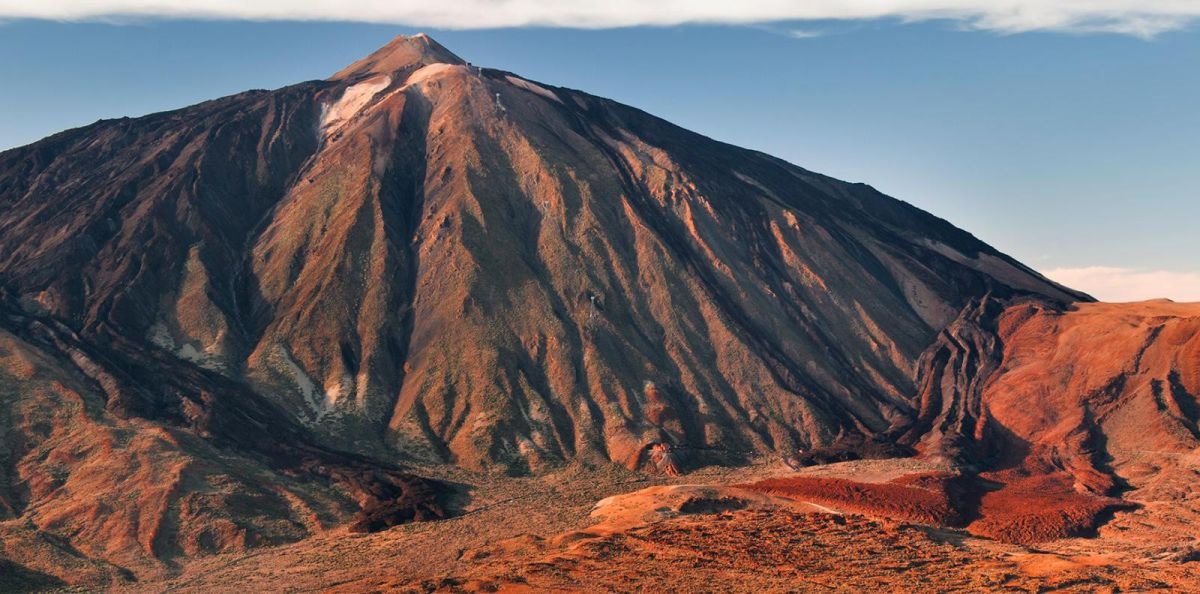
(1076, 152)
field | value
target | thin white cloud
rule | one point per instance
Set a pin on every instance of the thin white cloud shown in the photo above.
(804, 33)
(1107, 283)
(1144, 18)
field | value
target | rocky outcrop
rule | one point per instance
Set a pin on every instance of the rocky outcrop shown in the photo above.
(135, 461)
(1050, 419)
(951, 422)
(1036, 390)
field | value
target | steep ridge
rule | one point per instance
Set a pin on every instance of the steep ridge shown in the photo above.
(423, 261)
(1051, 405)
(1042, 421)
(431, 260)
(136, 461)
(951, 425)
(1080, 396)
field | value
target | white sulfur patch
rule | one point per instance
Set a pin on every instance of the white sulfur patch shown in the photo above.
(427, 72)
(307, 387)
(160, 336)
(352, 101)
(335, 391)
(204, 358)
(190, 353)
(533, 88)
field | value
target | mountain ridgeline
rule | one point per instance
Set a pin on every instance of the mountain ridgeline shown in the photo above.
(454, 264)
(420, 262)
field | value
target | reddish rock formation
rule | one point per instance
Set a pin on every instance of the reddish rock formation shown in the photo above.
(664, 459)
(232, 324)
(1038, 407)
(1079, 393)
(402, 266)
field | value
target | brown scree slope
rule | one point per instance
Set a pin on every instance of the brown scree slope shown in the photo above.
(423, 259)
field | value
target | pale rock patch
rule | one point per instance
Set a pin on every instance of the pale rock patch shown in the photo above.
(533, 88)
(353, 101)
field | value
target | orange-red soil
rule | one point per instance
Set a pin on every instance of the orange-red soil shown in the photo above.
(1041, 508)
(1026, 509)
(758, 551)
(924, 498)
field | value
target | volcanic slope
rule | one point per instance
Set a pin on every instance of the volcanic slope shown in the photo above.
(427, 260)
(228, 325)
(1085, 440)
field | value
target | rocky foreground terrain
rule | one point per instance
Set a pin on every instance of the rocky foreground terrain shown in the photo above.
(404, 328)
(863, 525)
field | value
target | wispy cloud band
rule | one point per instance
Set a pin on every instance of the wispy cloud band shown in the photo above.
(1129, 284)
(1142, 18)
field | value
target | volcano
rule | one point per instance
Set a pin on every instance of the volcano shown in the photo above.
(244, 322)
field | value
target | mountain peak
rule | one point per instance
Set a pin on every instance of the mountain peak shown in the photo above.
(402, 53)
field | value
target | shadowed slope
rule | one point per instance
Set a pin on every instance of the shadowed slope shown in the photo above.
(419, 260)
